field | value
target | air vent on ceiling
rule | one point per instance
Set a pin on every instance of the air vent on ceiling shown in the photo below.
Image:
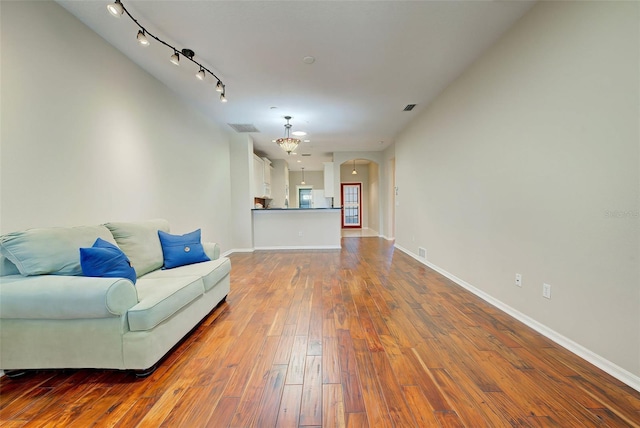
(409, 107)
(243, 127)
(306, 154)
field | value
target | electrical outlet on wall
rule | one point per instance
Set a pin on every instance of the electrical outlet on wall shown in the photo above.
(422, 253)
(519, 280)
(546, 290)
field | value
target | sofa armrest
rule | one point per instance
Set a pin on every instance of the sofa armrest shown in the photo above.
(212, 250)
(65, 297)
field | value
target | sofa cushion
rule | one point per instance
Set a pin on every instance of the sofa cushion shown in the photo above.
(211, 272)
(51, 250)
(180, 250)
(140, 242)
(160, 298)
(106, 260)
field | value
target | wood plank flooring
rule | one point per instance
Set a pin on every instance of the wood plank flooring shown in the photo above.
(359, 337)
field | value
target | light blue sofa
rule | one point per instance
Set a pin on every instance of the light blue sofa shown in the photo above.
(53, 317)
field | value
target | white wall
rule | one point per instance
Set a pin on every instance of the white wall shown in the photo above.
(242, 200)
(529, 163)
(387, 195)
(88, 137)
(373, 171)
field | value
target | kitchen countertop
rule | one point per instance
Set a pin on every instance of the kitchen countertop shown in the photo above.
(294, 209)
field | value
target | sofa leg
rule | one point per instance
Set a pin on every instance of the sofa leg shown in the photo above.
(141, 374)
(11, 374)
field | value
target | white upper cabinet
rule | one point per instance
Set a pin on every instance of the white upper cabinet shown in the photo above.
(267, 171)
(261, 177)
(258, 177)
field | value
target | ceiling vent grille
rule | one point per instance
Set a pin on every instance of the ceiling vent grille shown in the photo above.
(409, 107)
(243, 127)
(306, 154)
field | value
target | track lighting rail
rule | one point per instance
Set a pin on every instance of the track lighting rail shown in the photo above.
(117, 9)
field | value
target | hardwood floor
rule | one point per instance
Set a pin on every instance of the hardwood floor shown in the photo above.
(364, 336)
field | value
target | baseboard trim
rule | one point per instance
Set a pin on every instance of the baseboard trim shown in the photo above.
(602, 363)
(301, 247)
(238, 250)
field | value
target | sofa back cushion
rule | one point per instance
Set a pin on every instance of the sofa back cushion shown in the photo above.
(140, 242)
(53, 251)
(6, 267)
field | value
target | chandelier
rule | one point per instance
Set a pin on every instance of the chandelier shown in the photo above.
(287, 143)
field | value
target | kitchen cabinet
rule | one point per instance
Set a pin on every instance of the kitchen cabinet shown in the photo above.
(258, 176)
(279, 184)
(261, 177)
(266, 171)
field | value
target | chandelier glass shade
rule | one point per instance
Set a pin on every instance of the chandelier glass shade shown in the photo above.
(287, 143)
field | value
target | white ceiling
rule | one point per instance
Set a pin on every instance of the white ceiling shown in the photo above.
(372, 58)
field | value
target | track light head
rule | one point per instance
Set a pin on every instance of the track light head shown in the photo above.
(116, 9)
(223, 98)
(142, 38)
(200, 74)
(219, 86)
(175, 58)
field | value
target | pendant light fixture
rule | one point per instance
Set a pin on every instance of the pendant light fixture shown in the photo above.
(287, 143)
(354, 172)
(117, 9)
(302, 182)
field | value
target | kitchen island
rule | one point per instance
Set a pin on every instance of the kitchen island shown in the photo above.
(296, 228)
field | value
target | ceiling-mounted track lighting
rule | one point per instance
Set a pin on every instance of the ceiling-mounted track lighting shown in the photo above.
(117, 9)
(175, 58)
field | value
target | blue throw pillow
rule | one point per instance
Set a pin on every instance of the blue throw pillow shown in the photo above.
(106, 260)
(180, 250)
